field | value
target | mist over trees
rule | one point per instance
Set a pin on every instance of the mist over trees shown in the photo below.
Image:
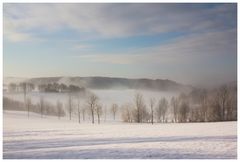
(200, 105)
(127, 113)
(43, 108)
(162, 110)
(152, 104)
(175, 108)
(140, 106)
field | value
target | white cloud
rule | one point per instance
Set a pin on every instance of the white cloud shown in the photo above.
(116, 20)
(179, 51)
(11, 33)
(108, 58)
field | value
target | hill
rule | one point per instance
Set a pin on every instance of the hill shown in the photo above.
(113, 83)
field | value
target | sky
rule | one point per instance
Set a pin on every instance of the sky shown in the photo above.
(189, 43)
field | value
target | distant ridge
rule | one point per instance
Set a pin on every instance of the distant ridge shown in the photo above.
(97, 82)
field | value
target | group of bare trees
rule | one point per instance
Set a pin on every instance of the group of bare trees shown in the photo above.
(72, 108)
(216, 105)
(200, 105)
(51, 87)
(23, 86)
(9, 104)
(94, 107)
(44, 108)
(140, 112)
(91, 105)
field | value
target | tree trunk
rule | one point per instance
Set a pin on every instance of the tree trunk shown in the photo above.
(92, 116)
(98, 118)
(79, 116)
(152, 116)
(83, 115)
(28, 111)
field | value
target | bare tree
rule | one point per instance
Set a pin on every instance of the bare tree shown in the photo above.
(49, 108)
(162, 109)
(105, 113)
(139, 103)
(78, 96)
(214, 113)
(28, 105)
(232, 105)
(24, 87)
(175, 106)
(99, 112)
(41, 105)
(91, 104)
(198, 98)
(83, 114)
(204, 106)
(70, 106)
(114, 110)
(152, 103)
(183, 111)
(59, 109)
(223, 95)
(222, 103)
(79, 111)
(127, 113)
(145, 115)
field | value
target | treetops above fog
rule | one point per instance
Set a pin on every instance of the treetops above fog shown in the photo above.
(50, 87)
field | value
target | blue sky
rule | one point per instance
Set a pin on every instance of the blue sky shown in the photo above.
(189, 43)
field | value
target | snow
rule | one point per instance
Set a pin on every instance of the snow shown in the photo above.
(50, 138)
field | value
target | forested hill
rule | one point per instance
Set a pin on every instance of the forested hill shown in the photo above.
(112, 83)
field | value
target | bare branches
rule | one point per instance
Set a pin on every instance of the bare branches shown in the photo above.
(91, 104)
(114, 110)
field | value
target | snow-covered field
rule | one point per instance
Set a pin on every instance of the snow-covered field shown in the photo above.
(50, 138)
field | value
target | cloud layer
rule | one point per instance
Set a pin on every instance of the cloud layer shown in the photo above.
(115, 20)
(207, 44)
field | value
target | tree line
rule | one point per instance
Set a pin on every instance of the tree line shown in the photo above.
(44, 108)
(200, 105)
(50, 87)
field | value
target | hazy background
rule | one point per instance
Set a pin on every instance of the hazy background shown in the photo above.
(189, 43)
